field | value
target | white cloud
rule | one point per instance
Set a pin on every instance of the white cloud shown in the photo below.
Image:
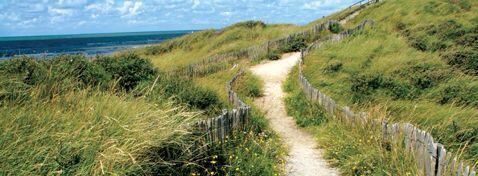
(59, 15)
(70, 3)
(104, 7)
(314, 5)
(130, 8)
(196, 3)
(226, 13)
(60, 12)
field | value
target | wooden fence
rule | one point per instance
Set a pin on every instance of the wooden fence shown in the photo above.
(230, 122)
(431, 156)
(222, 61)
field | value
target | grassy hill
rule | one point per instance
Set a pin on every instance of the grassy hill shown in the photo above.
(417, 64)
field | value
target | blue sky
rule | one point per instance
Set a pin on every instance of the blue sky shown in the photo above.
(48, 17)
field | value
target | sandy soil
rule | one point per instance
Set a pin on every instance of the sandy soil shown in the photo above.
(304, 158)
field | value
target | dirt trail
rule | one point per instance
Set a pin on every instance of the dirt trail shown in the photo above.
(304, 158)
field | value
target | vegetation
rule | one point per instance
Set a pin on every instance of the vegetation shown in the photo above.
(416, 70)
(122, 115)
(355, 150)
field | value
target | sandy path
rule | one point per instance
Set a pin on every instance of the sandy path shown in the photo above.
(304, 158)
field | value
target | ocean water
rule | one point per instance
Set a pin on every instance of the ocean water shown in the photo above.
(89, 44)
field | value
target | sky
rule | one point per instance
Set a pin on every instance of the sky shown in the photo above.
(52, 17)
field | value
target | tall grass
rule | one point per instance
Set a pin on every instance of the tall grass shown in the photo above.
(385, 68)
(355, 150)
(86, 132)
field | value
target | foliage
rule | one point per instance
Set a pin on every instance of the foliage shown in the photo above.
(333, 67)
(466, 59)
(335, 28)
(249, 24)
(366, 155)
(249, 85)
(129, 69)
(94, 132)
(420, 71)
(305, 112)
(295, 44)
(273, 55)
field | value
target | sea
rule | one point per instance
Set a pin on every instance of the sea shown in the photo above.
(88, 44)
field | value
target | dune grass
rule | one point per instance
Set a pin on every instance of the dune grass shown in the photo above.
(355, 150)
(401, 67)
(86, 132)
(201, 44)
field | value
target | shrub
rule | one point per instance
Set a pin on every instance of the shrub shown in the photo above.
(158, 49)
(199, 97)
(295, 44)
(469, 40)
(366, 83)
(419, 43)
(460, 93)
(273, 55)
(76, 68)
(129, 69)
(400, 26)
(424, 75)
(467, 59)
(335, 28)
(250, 24)
(333, 67)
(451, 29)
(26, 69)
(401, 90)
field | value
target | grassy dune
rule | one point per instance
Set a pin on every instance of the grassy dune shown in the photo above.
(198, 45)
(355, 150)
(417, 64)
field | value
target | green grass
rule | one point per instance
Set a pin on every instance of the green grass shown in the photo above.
(66, 120)
(385, 68)
(355, 150)
(199, 45)
(86, 132)
(255, 151)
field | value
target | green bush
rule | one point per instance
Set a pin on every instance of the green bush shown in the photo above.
(273, 55)
(469, 40)
(401, 90)
(419, 43)
(129, 69)
(294, 45)
(335, 28)
(26, 69)
(459, 93)
(158, 49)
(199, 97)
(76, 68)
(366, 83)
(250, 24)
(466, 59)
(424, 75)
(333, 67)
